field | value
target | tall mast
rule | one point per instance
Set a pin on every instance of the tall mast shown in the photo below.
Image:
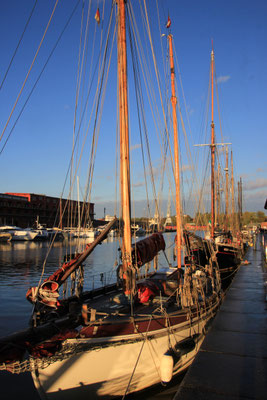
(212, 146)
(60, 213)
(239, 204)
(124, 137)
(233, 193)
(176, 157)
(226, 190)
(215, 199)
(219, 194)
(78, 199)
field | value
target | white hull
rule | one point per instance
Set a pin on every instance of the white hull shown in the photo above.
(23, 235)
(108, 370)
(84, 234)
(18, 233)
(90, 234)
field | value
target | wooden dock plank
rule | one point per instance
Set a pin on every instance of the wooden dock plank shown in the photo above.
(232, 361)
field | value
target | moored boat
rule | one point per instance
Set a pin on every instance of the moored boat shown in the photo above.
(228, 254)
(115, 340)
(5, 237)
(18, 234)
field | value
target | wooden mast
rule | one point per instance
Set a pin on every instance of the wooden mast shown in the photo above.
(176, 157)
(241, 203)
(226, 191)
(212, 147)
(233, 193)
(60, 213)
(239, 206)
(215, 199)
(124, 139)
(219, 195)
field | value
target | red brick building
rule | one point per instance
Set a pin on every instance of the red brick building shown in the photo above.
(23, 209)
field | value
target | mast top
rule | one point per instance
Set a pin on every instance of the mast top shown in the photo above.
(212, 55)
(212, 51)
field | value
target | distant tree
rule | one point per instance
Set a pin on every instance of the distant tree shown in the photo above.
(261, 217)
(246, 219)
(187, 219)
(203, 219)
(253, 217)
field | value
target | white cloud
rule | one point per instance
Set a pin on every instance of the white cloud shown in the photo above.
(135, 146)
(138, 184)
(223, 79)
(190, 110)
(256, 195)
(259, 170)
(256, 184)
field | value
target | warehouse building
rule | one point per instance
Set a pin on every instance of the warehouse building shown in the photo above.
(23, 210)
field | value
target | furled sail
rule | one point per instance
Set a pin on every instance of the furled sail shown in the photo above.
(145, 250)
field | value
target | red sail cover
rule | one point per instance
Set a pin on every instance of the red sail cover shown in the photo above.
(145, 250)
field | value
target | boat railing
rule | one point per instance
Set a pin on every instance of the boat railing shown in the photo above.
(78, 283)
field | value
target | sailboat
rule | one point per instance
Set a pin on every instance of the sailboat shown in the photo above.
(228, 254)
(126, 336)
(229, 250)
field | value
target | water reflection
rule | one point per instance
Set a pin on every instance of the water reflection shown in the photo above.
(21, 265)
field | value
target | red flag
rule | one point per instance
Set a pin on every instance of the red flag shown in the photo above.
(97, 16)
(168, 22)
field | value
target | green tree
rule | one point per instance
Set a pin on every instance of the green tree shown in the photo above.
(261, 217)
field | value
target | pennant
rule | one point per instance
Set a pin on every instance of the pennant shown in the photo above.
(97, 16)
(168, 22)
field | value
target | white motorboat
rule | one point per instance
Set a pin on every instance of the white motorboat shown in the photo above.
(18, 234)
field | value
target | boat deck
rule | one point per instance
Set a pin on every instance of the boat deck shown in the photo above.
(114, 304)
(232, 361)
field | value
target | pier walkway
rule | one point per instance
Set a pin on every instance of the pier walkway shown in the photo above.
(232, 361)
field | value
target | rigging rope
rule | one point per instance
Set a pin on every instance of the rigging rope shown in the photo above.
(70, 214)
(82, 117)
(192, 165)
(20, 40)
(24, 83)
(39, 76)
(64, 185)
(103, 85)
(140, 108)
(150, 94)
(138, 358)
(157, 76)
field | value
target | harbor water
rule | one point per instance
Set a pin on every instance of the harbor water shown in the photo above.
(21, 266)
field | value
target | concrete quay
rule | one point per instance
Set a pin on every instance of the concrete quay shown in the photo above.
(232, 361)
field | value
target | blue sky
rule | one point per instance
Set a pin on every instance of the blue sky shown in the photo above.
(37, 154)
